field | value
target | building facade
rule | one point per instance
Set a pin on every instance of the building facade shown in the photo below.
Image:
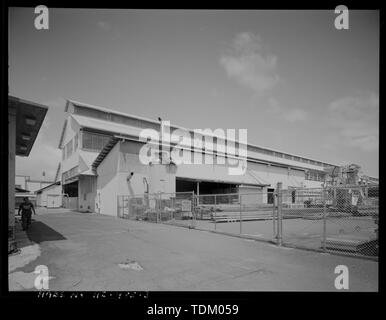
(100, 160)
(50, 196)
(25, 182)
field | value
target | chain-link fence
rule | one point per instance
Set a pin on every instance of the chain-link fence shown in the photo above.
(330, 219)
(175, 208)
(245, 214)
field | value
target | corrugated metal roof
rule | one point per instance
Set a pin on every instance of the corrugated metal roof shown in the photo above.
(104, 125)
(117, 128)
(86, 105)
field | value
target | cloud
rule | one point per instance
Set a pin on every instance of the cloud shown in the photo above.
(357, 119)
(274, 105)
(249, 63)
(295, 115)
(286, 113)
(104, 25)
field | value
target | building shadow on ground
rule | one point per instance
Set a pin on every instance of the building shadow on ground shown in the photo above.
(39, 232)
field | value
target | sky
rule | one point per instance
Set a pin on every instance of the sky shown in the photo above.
(293, 80)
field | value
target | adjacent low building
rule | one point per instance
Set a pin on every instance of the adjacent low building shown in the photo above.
(100, 160)
(25, 182)
(50, 196)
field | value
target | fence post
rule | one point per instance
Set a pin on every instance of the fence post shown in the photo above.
(158, 205)
(215, 212)
(324, 219)
(194, 222)
(241, 221)
(274, 216)
(279, 213)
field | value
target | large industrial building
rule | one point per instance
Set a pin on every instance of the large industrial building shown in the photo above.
(100, 160)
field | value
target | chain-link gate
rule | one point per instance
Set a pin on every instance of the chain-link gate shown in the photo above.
(243, 214)
(332, 219)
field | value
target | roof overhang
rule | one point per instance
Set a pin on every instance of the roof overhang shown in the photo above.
(213, 180)
(21, 190)
(71, 180)
(29, 119)
(57, 183)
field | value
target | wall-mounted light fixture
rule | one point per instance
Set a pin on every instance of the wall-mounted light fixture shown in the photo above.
(129, 176)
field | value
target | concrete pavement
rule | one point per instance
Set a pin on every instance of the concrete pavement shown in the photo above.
(94, 252)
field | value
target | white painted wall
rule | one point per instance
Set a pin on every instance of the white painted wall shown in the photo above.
(71, 129)
(34, 185)
(41, 198)
(86, 193)
(252, 195)
(129, 162)
(20, 181)
(107, 184)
